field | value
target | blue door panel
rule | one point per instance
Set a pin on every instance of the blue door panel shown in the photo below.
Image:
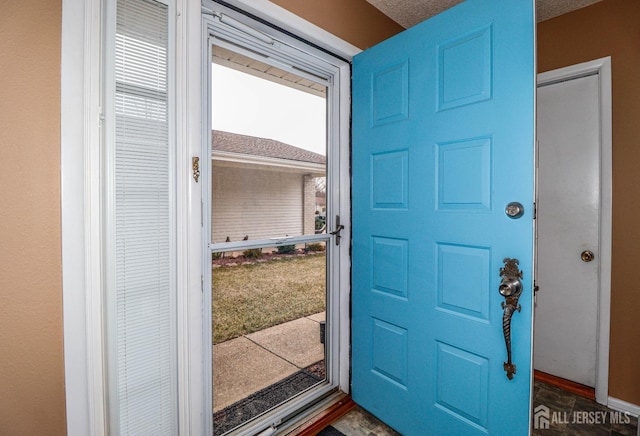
(443, 134)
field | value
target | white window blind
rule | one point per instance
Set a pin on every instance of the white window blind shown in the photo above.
(141, 322)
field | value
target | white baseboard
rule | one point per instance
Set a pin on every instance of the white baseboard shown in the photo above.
(623, 406)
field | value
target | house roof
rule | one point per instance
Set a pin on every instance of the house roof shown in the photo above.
(254, 146)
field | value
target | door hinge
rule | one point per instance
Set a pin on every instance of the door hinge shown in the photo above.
(201, 283)
(336, 232)
(535, 210)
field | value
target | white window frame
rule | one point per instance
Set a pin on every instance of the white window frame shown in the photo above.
(82, 29)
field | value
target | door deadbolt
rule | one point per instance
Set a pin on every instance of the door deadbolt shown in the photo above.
(587, 256)
(514, 210)
(510, 286)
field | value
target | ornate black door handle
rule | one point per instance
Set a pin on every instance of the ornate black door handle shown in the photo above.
(510, 289)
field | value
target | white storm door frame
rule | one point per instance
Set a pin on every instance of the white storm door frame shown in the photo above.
(338, 139)
(81, 63)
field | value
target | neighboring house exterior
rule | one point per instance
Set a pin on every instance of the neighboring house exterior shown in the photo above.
(262, 188)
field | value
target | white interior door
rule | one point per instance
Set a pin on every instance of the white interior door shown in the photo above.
(568, 217)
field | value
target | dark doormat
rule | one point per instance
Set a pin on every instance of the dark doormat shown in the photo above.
(330, 431)
(259, 402)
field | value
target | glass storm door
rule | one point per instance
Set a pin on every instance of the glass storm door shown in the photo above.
(443, 141)
(274, 190)
(268, 237)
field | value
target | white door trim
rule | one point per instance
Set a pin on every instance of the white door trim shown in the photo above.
(81, 216)
(602, 67)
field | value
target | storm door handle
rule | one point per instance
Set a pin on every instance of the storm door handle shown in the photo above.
(336, 232)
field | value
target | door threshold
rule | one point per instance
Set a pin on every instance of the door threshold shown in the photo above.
(342, 405)
(567, 385)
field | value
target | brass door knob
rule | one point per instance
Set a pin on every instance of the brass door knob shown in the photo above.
(587, 256)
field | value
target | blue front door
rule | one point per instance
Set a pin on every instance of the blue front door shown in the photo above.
(443, 141)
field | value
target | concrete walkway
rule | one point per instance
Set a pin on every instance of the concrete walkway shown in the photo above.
(255, 361)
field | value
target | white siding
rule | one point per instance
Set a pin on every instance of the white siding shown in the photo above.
(255, 202)
(309, 201)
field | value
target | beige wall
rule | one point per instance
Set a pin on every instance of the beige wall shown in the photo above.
(612, 28)
(32, 398)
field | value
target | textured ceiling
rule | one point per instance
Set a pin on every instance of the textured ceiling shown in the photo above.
(410, 12)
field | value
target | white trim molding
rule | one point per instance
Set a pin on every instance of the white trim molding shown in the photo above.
(601, 67)
(81, 216)
(624, 406)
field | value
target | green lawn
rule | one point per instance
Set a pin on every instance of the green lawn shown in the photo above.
(249, 298)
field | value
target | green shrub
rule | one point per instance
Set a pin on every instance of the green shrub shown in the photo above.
(315, 247)
(321, 222)
(216, 256)
(253, 253)
(286, 249)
